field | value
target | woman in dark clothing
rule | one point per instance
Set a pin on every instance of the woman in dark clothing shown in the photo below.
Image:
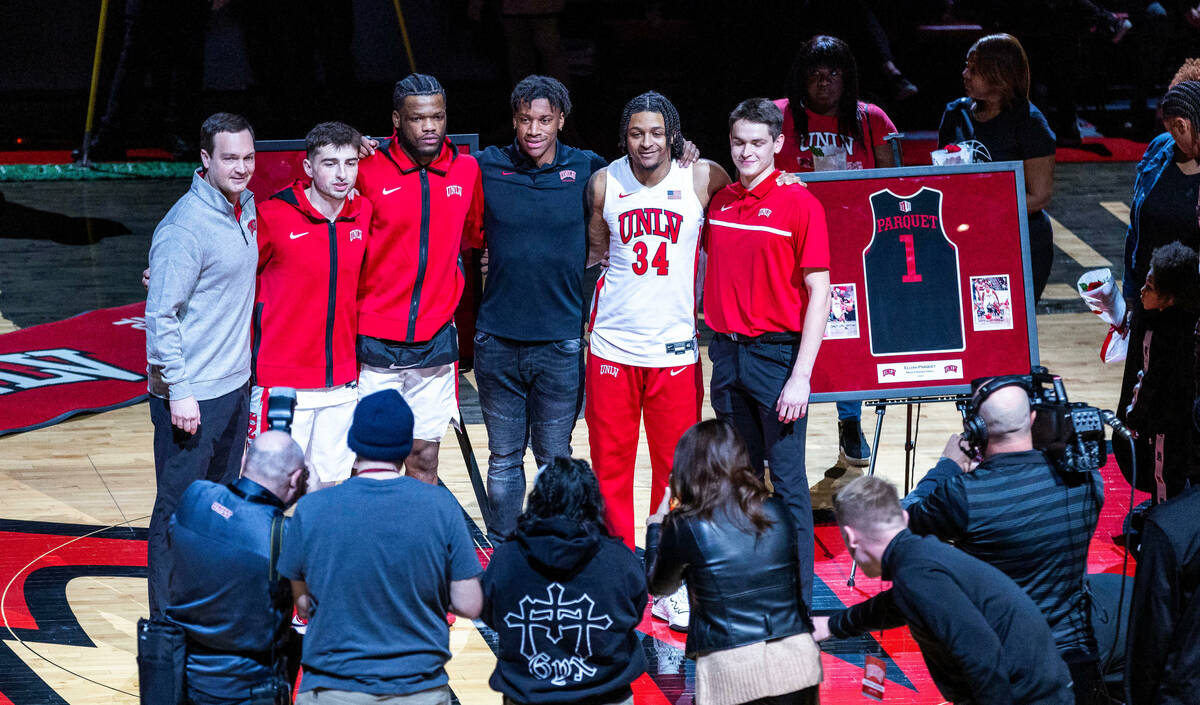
(561, 576)
(997, 113)
(1163, 210)
(735, 544)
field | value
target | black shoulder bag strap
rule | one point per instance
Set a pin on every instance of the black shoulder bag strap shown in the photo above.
(282, 694)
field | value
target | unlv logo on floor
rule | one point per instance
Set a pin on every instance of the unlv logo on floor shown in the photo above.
(92, 362)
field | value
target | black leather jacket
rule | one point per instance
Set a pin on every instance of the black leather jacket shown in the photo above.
(743, 587)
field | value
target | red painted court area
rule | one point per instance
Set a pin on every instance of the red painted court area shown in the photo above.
(39, 558)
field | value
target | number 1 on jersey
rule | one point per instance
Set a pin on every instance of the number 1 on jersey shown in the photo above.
(910, 260)
(660, 263)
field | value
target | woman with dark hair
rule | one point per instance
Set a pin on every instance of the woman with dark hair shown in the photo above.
(735, 544)
(561, 556)
(825, 127)
(822, 111)
(1166, 197)
(997, 114)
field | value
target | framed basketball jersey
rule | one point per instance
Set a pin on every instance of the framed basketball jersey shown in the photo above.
(911, 277)
(929, 269)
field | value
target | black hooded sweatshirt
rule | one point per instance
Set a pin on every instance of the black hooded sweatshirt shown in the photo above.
(565, 601)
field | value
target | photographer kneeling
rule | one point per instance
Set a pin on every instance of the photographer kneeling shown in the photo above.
(224, 591)
(1018, 512)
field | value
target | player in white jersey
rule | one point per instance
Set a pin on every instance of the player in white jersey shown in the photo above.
(646, 213)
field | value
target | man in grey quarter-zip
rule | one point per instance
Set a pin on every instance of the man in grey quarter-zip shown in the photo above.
(204, 255)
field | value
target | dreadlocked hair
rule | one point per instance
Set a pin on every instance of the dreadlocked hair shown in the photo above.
(533, 87)
(1183, 100)
(653, 102)
(823, 51)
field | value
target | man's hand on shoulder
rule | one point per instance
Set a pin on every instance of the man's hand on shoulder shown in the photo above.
(787, 178)
(185, 414)
(690, 155)
(366, 147)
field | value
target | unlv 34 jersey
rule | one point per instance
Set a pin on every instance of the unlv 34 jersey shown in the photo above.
(914, 303)
(644, 308)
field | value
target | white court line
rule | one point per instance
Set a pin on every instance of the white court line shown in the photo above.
(1077, 249)
(1119, 210)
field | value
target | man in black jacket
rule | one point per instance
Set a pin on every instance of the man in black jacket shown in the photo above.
(221, 591)
(1163, 649)
(1018, 513)
(982, 638)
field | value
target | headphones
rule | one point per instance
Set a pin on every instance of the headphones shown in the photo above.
(975, 435)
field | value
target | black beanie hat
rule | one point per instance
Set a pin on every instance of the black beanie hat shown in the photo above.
(382, 427)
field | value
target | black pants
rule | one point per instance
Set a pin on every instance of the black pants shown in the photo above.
(747, 379)
(213, 453)
(1041, 251)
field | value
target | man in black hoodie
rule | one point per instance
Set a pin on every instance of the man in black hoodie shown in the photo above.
(565, 598)
(982, 637)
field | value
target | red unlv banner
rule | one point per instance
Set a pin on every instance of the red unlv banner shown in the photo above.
(929, 270)
(95, 361)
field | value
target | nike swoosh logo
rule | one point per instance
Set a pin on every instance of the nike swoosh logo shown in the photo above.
(678, 371)
(296, 235)
(506, 173)
(386, 191)
(725, 208)
(624, 195)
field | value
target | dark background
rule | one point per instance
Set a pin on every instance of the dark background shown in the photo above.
(704, 55)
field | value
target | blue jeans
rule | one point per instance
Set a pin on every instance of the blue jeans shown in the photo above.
(746, 381)
(530, 395)
(849, 410)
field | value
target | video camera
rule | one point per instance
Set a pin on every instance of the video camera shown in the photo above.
(1070, 433)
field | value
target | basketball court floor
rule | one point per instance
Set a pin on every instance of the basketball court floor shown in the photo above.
(75, 497)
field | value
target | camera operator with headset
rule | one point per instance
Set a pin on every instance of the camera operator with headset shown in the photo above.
(998, 496)
(224, 592)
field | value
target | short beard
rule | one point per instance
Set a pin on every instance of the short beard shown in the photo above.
(417, 149)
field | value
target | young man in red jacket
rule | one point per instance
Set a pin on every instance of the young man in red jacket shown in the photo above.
(427, 198)
(312, 240)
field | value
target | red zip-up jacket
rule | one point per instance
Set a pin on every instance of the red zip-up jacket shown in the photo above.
(413, 278)
(305, 306)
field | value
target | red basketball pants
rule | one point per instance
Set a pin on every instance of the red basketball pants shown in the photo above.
(618, 396)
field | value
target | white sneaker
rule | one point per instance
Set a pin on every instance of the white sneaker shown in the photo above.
(673, 609)
(300, 625)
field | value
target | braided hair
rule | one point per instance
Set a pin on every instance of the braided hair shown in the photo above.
(653, 102)
(1183, 100)
(416, 84)
(833, 53)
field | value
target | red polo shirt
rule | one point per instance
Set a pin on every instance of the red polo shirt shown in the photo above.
(412, 280)
(758, 242)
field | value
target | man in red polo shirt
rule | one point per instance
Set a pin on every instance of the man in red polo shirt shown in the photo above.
(312, 238)
(766, 294)
(427, 198)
